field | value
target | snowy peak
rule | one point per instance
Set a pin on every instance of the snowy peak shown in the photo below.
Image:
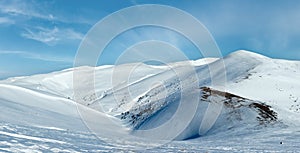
(246, 54)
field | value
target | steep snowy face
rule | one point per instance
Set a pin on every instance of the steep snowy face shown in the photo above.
(236, 111)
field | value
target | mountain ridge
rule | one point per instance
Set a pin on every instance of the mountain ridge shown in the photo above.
(268, 88)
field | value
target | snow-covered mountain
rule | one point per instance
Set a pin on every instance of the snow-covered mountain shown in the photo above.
(257, 100)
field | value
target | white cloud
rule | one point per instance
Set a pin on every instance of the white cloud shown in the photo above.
(6, 21)
(26, 10)
(21, 8)
(51, 36)
(2, 52)
(36, 56)
(46, 36)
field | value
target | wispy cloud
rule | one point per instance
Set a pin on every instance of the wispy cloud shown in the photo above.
(36, 56)
(28, 9)
(51, 36)
(6, 21)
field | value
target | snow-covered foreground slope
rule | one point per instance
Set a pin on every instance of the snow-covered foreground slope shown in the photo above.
(259, 107)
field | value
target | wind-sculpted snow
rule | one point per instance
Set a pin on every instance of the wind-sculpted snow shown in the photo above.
(153, 113)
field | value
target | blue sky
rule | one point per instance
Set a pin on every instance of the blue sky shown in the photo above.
(43, 36)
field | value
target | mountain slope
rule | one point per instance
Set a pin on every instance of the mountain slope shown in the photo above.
(257, 92)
